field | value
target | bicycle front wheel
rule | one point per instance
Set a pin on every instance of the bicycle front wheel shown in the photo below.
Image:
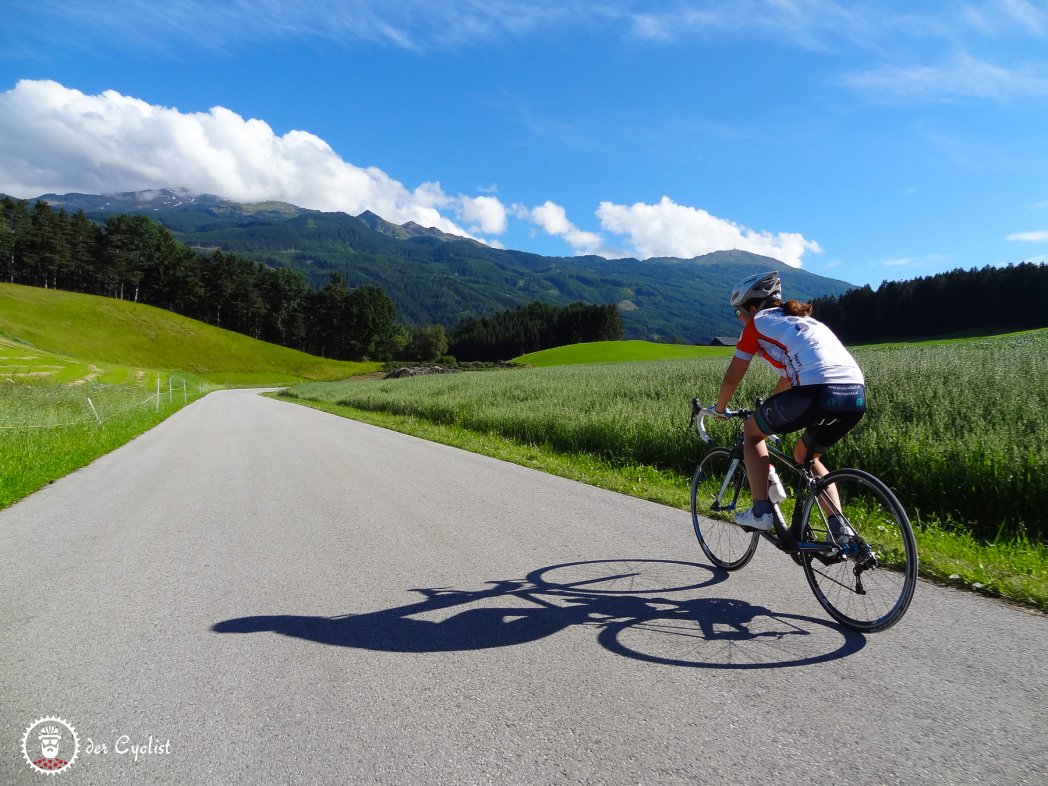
(869, 586)
(719, 489)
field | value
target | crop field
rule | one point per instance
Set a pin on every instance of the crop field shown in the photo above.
(958, 430)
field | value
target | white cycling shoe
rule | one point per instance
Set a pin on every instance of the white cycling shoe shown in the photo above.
(747, 520)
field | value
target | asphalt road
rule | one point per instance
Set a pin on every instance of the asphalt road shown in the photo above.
(277, 595)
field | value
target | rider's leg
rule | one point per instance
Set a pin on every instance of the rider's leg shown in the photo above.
(755, 453)
(829, 501)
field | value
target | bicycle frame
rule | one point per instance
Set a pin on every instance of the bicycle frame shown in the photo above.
(783, 537)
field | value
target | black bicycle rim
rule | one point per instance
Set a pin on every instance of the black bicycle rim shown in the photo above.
(880, 594)
(713, 509)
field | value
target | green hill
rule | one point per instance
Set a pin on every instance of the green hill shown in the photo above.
(104, 330)
(618, 352)
(632, 351)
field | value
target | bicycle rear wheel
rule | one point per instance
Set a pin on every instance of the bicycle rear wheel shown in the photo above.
(870, 585)
(715, 497)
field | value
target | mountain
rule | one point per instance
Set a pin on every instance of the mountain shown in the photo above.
(176, 208)
(437, 278)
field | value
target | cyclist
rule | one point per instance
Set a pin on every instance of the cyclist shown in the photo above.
(821, 387)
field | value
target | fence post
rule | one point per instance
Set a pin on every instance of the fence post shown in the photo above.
(158, 393)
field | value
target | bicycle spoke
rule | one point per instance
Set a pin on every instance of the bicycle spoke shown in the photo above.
(882, 538)
(830, 578)
(720, 489)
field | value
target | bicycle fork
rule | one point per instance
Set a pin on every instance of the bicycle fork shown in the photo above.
(724, 487)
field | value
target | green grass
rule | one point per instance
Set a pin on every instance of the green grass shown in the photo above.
(23, 365)
(618, 352)
(248, 379)
(58, 413)
(49, 430)
(957, 338)
(104, 330)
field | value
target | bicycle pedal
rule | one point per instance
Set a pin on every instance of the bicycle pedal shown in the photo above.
(757, 530)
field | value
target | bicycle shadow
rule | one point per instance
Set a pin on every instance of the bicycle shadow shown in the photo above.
(649, 610)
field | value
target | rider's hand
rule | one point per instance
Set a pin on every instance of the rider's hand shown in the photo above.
(719, 415)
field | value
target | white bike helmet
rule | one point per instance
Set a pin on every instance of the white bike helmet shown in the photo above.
(759, 286)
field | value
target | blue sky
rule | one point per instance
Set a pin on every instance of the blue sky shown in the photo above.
(862, 140)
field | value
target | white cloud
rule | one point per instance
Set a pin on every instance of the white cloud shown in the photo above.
(1030, 16)
(60, 140)
(810, 24)
(424, 25)
(1029, 237)
(665, 230)
(554, 220)
(406, 24)
(484, 214)
(963, 76)
(669, 229)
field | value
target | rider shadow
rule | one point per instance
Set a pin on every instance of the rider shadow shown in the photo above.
(630, 604)
(398, 630)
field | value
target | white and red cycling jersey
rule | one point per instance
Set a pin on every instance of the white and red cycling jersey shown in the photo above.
(801, 349)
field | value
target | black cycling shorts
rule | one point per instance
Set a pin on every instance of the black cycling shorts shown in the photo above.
(825, 412)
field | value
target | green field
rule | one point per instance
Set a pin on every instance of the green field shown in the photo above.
(957, 429)
(618, 352)
(59, 413)
(47, 431)
(107, 331)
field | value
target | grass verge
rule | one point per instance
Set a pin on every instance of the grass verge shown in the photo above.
(1016, 570)
(48, 431)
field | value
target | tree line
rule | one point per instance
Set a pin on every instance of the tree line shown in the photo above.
(990, 298)
(534, 327)
(131, 257)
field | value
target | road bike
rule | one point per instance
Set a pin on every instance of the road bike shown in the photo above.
(846, 529)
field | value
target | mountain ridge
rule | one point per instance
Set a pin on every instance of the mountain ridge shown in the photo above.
(438, 278)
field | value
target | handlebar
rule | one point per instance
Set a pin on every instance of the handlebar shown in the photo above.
(699, 413)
